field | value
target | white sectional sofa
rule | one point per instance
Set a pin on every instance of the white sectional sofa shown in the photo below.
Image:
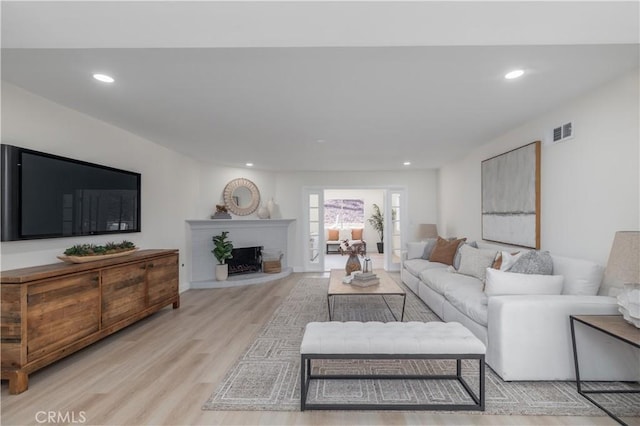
(527, 336)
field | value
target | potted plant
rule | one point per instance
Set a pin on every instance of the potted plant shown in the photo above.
(377, 221)
(222, 252)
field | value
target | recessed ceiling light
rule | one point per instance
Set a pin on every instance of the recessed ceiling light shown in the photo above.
(320, 141)
(249, 164)
(514, 74)
(407, 163)
(103, 78)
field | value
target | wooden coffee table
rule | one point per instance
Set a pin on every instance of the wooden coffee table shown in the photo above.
(387, 287)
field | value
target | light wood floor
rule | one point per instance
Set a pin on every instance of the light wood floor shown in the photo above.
(162, 369)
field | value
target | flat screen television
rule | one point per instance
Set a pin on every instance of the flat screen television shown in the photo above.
(48, 196)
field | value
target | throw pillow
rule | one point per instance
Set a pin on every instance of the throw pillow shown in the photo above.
(428, 248)
(497, 263)
(581, 277)
(456, 258)
(534, 262)
(474, 262)
(510, 283)
(445, 250)
(356, 233)
(415, 250)
(333, 235)
(344, 234)
(509, 259)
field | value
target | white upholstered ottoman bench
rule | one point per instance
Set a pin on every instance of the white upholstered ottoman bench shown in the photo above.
(391, 340)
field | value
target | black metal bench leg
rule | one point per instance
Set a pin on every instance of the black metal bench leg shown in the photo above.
(303, 384)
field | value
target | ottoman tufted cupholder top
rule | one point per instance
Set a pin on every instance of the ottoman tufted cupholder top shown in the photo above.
(374, 337)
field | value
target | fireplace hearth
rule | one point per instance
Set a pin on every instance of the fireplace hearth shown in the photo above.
(244, 233)
(245, 260)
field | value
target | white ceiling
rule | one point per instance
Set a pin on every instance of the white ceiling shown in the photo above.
(377, 83)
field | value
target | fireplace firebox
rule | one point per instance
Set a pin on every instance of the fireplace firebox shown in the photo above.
(245, 260)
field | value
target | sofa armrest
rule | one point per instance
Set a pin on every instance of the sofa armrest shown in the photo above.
(529, 338)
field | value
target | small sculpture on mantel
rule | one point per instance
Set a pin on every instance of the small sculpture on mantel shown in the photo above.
(221, 212)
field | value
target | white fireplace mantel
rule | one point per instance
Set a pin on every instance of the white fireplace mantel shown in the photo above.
(268, 233)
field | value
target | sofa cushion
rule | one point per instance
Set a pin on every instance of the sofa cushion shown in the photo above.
(456, 258)
(428, 249)
(416, 266)
(581, 277)
(474, 262)
(445, 250)
(441, 279)
(534, 262)
(469, 299)
(507, 260)
(356, 233)
(421, 249)
(333, 235)
(509, 283)
(415, 250)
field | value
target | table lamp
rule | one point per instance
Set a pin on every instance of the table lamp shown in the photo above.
(427, 230)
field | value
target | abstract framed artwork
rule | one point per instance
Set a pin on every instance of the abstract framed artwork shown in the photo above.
(511, 197)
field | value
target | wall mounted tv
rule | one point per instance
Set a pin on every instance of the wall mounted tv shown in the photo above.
(47, 196)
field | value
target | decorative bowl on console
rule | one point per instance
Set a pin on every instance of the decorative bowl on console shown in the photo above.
(82, 253)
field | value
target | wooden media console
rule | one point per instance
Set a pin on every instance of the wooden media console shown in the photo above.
(50, 311)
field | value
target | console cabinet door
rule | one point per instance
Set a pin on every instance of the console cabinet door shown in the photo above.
(123, 292)
(61, 311)
(162, 275)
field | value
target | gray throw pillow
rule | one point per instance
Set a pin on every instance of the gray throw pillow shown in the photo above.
(456, 258)
(534, 262)
(431, 243)
(474, 262)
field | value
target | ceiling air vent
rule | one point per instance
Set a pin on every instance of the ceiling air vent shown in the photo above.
(562, 133)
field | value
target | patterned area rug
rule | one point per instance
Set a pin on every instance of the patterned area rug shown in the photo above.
(267, 375)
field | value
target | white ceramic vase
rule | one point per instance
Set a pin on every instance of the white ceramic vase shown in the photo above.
(263, 212)
(222, 272)
(271, 207)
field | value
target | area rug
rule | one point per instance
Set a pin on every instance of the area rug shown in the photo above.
(267, 375)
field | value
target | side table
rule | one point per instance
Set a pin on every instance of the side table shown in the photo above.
(615, 326)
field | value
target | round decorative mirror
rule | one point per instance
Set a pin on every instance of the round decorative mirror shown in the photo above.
(241, 196)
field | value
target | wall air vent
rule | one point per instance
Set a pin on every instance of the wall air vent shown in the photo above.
(561, 133)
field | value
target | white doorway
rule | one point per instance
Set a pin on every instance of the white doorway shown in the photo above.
(349, 209)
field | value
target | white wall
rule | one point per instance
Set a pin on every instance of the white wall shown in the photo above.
(590, 185)
(170, 184)
(213, 180)
(421, 189)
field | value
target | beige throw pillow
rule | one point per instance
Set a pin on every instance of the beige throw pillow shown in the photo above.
(474, 262)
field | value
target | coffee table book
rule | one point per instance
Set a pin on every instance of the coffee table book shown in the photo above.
(365, 279)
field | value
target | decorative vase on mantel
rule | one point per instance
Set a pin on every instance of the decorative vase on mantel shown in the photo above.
(353, 263)
(263, 212)
(274, 209)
